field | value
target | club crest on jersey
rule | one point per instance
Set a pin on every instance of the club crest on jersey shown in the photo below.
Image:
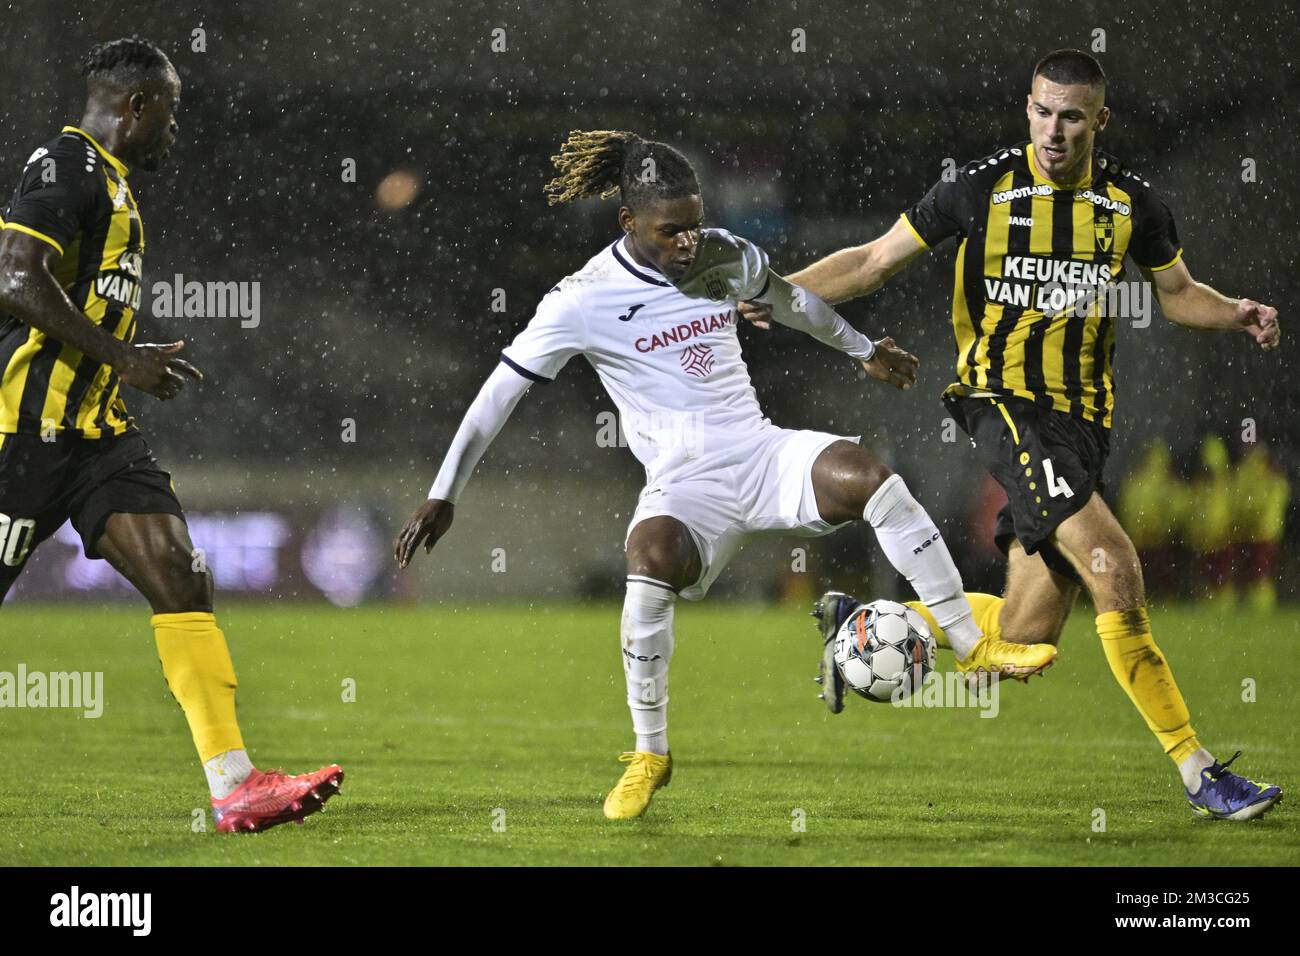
(1104, 229)
(715, 287)
(119, 199)
(697, 360)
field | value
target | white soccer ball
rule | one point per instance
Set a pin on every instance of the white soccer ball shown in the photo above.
(884, 651)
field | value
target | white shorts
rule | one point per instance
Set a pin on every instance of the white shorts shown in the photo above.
(755, 484)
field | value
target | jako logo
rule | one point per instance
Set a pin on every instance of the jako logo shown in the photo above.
(103, 909)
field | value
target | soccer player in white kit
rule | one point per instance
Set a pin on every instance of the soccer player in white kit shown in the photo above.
(655, 314)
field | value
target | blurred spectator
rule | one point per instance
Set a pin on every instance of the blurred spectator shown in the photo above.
(1153, 505)
(1208, 527)
(1261, 494)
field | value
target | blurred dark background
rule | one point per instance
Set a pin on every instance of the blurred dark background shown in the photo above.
(383, 316)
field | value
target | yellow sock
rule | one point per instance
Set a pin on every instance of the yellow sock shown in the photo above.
(200, 675)
(1140, 668)
(986, 608)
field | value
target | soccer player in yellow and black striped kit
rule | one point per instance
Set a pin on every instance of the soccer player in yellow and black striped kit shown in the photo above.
(71, 262)
(1044, 229)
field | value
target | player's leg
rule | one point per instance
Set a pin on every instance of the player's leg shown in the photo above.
(662, 559)
(1032, 609)
(1037, 600)
(123, 506)
(850, 483)
(1107, 562)
(154, 552)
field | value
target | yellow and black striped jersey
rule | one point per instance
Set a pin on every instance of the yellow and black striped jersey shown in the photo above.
(1035, 263)
(73, 195)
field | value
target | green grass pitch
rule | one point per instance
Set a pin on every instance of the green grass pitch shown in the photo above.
(513, 715)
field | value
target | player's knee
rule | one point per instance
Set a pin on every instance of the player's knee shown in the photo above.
(663, 563)
(183, 588)
(662, 548)
(875, 473)
(1116, 578)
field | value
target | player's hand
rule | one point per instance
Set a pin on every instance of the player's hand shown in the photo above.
(156, 369)
(893, 365)
(430, 521)
(1260, 322)
(758, 314)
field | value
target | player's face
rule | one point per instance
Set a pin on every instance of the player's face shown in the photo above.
(664, 233)
(155, 129)
(1063, 121)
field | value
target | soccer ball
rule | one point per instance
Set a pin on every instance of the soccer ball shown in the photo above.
(884, 651)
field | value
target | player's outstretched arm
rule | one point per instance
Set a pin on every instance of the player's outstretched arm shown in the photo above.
(849, 273)
(800, 309)
(29, 291)
(483, 420)
(861, 270)
(1197, 306)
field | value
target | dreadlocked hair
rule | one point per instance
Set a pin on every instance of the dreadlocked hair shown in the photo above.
(607, 162)
(124, 62)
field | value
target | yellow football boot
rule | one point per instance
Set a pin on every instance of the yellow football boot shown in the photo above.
(646, 773)
(994, 656)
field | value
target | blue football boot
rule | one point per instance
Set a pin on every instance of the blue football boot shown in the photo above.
(1227, 796)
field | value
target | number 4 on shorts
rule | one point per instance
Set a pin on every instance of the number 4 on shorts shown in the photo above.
(1055, 486)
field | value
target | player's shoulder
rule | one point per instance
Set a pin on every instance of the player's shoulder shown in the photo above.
(726, 266)
(600, 270)
(983, 174)
(723, 239)
(1110, 169)
(719, 246)
(567, 296)
(67, 149)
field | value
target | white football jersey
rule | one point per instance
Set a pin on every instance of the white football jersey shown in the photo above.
(670, 360)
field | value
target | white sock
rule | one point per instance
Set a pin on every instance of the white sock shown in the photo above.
(915, 548)
(226, 771)
(646, 639)
(1191, 767)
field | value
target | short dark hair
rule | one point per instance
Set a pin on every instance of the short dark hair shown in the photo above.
(604, 162)
(1070, 67)
(124, 63)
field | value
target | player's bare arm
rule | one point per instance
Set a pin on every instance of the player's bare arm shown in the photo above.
(861, 270)
(1197, 306)
(849, 273)
(29, 291)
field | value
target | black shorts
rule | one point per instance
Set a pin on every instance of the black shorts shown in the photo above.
(1048, 462)
(44, 483)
